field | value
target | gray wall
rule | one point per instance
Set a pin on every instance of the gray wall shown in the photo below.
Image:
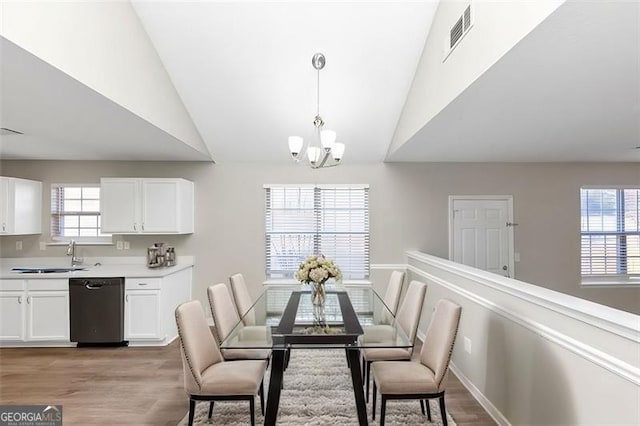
(408, 204)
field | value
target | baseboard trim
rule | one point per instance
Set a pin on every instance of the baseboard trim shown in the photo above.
(491, 409)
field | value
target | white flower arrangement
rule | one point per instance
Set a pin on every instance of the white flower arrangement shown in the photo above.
(317, 270)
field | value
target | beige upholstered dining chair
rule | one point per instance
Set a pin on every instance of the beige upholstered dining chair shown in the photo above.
(225, 318)
(407, 319)
(242, 299)
(425, 379)
(207, 376)
(394, 288)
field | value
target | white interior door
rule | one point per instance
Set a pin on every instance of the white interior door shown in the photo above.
(481, 232)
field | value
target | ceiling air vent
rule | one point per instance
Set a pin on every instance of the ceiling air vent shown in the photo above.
(458, 31)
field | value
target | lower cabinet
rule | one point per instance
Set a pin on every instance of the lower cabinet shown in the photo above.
(142, 312)
(34, 310)
(47, 315)
(12, 315)
(150, 303)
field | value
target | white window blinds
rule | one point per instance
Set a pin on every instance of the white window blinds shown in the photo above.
(329, 220)
(75, 213)
(610, 231)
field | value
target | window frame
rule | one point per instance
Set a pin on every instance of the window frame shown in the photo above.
(317, 210)
(610, 280)
(104, 239)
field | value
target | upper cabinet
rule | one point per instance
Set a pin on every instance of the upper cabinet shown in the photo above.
(20, 206)
(146, 206)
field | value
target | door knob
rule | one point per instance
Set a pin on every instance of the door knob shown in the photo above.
(504, 268)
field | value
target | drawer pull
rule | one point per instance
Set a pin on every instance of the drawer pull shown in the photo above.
(142, 284)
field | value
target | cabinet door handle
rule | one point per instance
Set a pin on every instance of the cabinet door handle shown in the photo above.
(135, 227)
(143, 226)
(20, 300)
(28, 300)
(126, 298)
(4, 226)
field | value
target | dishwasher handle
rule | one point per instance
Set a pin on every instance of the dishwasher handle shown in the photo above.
(93, 286)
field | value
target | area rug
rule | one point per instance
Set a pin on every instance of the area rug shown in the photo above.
(317, 391)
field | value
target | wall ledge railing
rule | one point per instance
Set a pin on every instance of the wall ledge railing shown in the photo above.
(613, 364)
(603, 336)
(623, 324)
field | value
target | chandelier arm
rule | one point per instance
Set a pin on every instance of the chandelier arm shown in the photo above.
(324, 158)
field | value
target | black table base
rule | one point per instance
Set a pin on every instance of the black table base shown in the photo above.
(275, 385)
(284, 339)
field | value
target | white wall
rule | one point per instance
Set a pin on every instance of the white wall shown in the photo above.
(408, 204)
(498, 26)
(103, 45)
(537, 356)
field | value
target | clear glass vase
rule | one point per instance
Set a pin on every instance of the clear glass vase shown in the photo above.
(317, 294)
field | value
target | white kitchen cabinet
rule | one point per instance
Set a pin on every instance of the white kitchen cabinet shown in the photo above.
(119, 205)
(142, 310)
(150, 305)
(47, 316)
(11, 315)
(147, 206)
(20, 206)
(34, 310)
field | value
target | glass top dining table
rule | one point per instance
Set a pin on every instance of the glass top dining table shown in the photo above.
(284, 318)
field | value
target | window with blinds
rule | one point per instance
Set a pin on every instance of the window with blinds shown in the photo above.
(75, 213)
(305, 220)
(610, 231)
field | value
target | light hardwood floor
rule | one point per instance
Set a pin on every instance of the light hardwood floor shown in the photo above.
(132, 385)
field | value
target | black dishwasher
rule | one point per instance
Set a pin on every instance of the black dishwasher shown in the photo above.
(96, 311)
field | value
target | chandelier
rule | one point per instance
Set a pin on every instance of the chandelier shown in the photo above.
(323, 151)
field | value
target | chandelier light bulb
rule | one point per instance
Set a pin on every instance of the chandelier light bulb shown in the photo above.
(295, 145)
(313, 153)
(328, 139)
(337, 151)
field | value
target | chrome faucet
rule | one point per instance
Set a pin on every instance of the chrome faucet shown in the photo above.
(71, 251)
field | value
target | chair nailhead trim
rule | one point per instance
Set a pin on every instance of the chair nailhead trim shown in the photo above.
(186, 355)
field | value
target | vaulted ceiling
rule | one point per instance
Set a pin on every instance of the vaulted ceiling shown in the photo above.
(569, 91)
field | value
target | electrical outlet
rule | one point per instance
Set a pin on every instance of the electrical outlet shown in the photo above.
(127, 246)
(118, 245)
(43, 245)
(18, 245)
(467, 345)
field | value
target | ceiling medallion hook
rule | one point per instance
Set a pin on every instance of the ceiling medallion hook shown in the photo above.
(325, 152)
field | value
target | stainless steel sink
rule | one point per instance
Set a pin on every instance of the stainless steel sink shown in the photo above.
(45, 270)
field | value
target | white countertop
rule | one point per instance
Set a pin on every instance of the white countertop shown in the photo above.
(128, 267)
